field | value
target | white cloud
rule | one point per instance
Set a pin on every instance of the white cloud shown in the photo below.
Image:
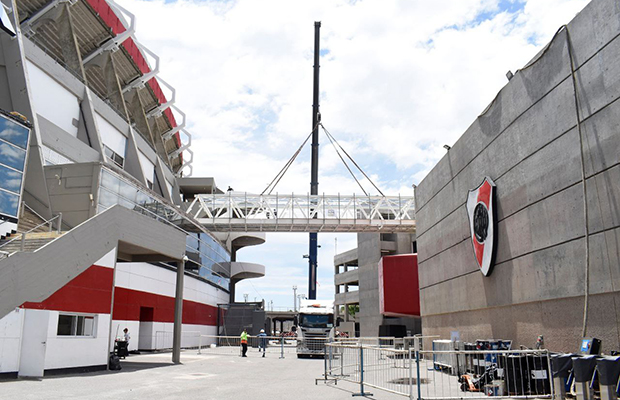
(400, 80)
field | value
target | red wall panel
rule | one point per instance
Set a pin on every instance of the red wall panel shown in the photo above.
(127, 305)
(399, 289)
(89, 292)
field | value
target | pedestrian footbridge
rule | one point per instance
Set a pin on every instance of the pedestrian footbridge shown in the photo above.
(244, 212)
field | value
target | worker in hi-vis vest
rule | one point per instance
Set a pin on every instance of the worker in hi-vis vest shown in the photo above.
(244, 342)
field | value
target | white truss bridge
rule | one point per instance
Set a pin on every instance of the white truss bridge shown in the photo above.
(244, 212)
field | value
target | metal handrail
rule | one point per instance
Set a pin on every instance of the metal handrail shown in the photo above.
(31, 210)
(22, 237)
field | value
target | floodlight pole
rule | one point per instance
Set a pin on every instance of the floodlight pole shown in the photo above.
(314, 171)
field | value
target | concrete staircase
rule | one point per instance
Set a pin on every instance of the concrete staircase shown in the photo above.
(33, 241)
(29, 220)
(34, 276)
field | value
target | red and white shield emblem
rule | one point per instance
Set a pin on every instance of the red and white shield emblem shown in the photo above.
(481, 211)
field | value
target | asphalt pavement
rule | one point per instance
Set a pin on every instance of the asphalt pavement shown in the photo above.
(200, 376)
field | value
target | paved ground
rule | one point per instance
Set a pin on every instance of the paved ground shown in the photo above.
(220, 377)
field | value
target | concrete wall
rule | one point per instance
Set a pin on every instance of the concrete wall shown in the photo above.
(370, 249)
(528, 142)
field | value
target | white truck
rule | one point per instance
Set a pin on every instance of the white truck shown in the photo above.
(316, 323)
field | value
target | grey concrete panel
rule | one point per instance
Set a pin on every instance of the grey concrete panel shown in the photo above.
(604, 200)
(5, 101)
(456, 261)
(605, 261)
(161, 178)
(601, 139)
(348, 257)
(132, 160)
(595, 26)
(346, 277)
(552, 221)
(598, 80)
(547, 171)
(560, 321)
(65, 144)
(540, 125)
(526, 88)
(347, 298)
(35, 276)
(447, 233)
(547, 274)
(404, 243)
(88, 119)
(70, 187)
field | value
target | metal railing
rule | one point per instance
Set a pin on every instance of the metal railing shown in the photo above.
(164, 339)
(304, 213)
(157, 208)
(231, 345)
(22, 236)
(418, 374)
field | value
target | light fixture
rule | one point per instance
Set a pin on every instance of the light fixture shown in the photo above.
(445, 146)
(305, 256)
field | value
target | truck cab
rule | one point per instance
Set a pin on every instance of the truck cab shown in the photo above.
(316, 322)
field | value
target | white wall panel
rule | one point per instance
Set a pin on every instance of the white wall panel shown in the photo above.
(159, 335)
(150, 278)
(10, 341)
(76, 351)
(109, 260)
(52, 100)
(110, 136)
(148, 168)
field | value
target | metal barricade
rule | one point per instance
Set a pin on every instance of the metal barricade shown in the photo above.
(415, 373)
(231, 345)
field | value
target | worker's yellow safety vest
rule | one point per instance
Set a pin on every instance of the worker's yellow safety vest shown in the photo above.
(244, 338)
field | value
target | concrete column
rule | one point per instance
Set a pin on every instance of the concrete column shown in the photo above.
(68, 41)
(114, 92)
(138, 116)
(231, 289)
(178, 313)
(158, 141)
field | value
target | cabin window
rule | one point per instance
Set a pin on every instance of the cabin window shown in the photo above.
(75, 325)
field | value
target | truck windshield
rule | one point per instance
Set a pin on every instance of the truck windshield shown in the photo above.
(317, 321)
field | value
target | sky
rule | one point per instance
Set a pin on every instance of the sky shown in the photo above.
(398, 81)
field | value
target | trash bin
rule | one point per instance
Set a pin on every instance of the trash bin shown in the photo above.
(608, 369)
(515, 374)
(561, 365)
(583, 369)
(120, 348)
(538, 374)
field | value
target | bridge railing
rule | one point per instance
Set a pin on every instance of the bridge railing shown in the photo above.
(235, 205)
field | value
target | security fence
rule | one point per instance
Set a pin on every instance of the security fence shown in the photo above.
(287, 345)
(406, 370)
(231, 345)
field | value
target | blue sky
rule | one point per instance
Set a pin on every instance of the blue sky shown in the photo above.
(399, 79)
